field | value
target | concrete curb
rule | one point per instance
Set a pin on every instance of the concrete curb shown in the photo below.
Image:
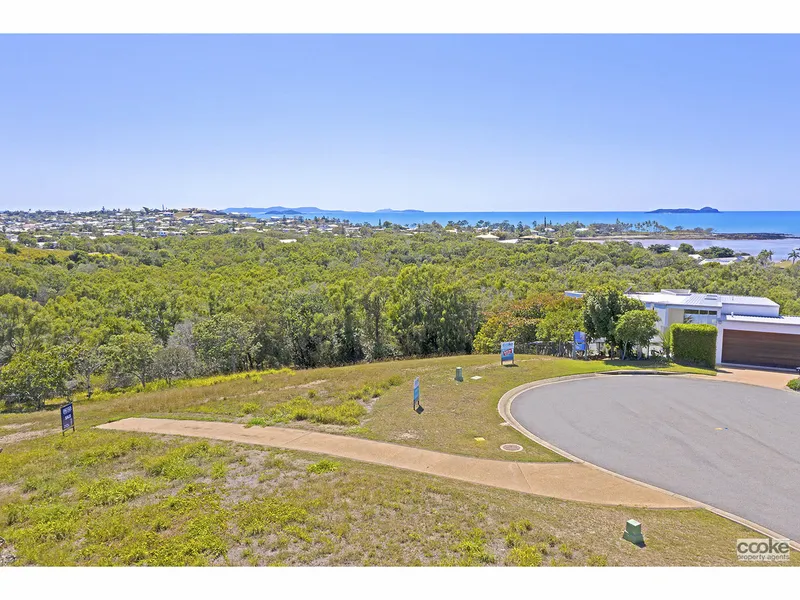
(504, 408)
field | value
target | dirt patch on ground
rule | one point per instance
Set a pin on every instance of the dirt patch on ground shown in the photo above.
(16, 426)
(7, 554)
(7, 490)
(25, 435)
(305, 385)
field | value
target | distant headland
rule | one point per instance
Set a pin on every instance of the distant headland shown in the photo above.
(276, 210)
(705, 209)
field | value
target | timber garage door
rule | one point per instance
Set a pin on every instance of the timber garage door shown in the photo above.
(761, 349)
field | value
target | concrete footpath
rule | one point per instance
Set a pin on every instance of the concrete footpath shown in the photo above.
(566, 481)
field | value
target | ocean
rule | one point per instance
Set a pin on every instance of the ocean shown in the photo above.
(786, 222)
(723, 222)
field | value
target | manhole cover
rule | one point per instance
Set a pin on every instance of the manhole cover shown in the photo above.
(511, 448)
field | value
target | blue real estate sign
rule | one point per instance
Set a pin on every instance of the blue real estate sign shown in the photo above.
(579, 338)
(506, 351)
(416, 392)
(67, 418)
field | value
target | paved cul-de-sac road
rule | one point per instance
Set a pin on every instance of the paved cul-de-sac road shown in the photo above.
(730, 445)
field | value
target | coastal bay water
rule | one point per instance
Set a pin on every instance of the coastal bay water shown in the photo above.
(780, 248)
(787, 222)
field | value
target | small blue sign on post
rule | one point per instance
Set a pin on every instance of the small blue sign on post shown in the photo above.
(417, 407)
(579, 339)
(67, 418)
(506, 352)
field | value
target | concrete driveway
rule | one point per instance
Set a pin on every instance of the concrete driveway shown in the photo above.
(763, 377)
(733, 446)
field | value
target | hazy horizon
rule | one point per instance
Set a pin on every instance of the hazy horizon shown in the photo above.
(435, 123)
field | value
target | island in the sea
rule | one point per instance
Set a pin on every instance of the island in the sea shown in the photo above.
(301, 210)
(705, 209)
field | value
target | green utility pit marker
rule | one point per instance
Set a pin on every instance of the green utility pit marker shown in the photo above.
(459, 374)
(633, 532)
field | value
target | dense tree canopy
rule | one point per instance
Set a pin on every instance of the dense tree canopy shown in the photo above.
(111, 306)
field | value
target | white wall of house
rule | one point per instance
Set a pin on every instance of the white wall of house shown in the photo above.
(663, 319)
(674, 315)
(751, 310)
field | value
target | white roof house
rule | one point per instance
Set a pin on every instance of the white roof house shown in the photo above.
(751, 330)
(728, 260)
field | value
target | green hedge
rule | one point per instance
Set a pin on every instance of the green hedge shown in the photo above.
(694, 344)
(794, 384)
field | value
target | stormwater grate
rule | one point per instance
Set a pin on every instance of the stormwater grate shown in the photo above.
(511, 448)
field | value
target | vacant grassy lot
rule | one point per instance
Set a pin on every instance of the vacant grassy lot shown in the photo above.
(371, 401)
(102, 497)
(110, 498)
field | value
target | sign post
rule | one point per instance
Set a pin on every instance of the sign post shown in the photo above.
(578, 342)
(506, 352)
(67, 418)
(417, 408)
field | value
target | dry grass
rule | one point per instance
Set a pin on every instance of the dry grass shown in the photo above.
(371, 401)
(101, 497)
(110, 498)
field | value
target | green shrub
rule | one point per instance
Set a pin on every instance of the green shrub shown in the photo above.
(255, 517)
(106, 452)
(394, 381)
(694, 344)
(472, 549)
(525, 556)
(219, 470)
(346, 413)
(323, 466)
(794, 384)
(248, 408)
(520, 526)
(302, 409)
(109, 491)
(666, 342)
(597, 560)
(177, 463)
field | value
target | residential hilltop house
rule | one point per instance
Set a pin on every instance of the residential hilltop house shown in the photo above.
(751, 330)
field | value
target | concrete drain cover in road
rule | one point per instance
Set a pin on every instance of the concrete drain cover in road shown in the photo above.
(511, 447)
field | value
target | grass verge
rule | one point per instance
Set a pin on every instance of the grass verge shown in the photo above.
(111, 498)
(372, 401)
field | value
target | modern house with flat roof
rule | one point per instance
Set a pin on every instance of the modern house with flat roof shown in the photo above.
(751, 330)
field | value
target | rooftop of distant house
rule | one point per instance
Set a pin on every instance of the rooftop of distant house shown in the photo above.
(684, 297)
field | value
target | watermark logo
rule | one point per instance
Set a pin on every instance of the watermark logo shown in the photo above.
(762, 549)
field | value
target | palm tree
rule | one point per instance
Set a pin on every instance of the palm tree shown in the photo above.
(794, 255)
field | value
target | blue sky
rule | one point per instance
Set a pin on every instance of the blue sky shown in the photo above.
(428, 122)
